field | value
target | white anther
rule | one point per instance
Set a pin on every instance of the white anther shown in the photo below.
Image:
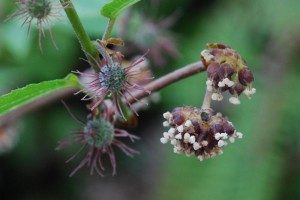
(192, 139)
(216, 97)
(221, 143)
(204, 143)
(218, 136)
(186, 137)
(167, 115)
(188, 123)
(196, 146)
(249, 92)
(231, 139)
(239, 135)
(200, 157)
(228, 82)
(173, 141)
(178, 136)
(206, 55)
(209, 82)
(166, 135)
(163, 140)
(221, 84)
(234, 100)
(180, 128)
(166, 124)
(224, 136)
(171, 131)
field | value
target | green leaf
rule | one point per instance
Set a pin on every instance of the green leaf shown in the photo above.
(114, 8)
(22, 96)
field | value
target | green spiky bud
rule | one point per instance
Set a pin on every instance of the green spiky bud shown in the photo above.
(39, 8)
(98, 133)
(113, 78)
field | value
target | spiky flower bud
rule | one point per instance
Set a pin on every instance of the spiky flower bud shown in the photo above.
(40, 10)
(198, 132)
(98, 136)
(113, 79)
(226, 70)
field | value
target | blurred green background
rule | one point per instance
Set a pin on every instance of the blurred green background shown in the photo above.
(264, 165)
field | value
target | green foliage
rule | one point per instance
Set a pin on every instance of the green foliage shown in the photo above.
(114, 8)
(22, 96)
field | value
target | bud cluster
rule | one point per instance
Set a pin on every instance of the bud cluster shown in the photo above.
(226, 70)
(198, 131)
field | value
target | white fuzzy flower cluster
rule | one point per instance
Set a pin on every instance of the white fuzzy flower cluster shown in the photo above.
(186, 138)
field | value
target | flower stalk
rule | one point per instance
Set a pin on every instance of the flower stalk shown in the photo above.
(169, 79)
(108, 29)
(87, 46)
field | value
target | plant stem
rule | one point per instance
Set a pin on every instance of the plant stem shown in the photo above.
(206, 100)
(83, 38)
(108, 29)
(168, 79)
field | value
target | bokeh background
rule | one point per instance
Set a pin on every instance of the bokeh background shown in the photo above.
(264, 165)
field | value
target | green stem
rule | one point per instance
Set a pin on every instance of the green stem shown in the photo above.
(83, 38)
(108, 29)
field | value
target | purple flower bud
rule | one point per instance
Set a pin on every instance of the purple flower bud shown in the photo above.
(178, 117)
(245, 76)
(228, 127)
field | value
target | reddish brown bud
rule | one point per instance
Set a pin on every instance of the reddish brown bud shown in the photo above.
(237, 90)
(245, 76)
(178, 117)
(228, 127)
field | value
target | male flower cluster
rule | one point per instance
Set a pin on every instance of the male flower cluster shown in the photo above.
(198, 132)
(226, 70)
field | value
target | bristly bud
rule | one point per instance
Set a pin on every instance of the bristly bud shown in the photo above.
(98, 136)
(40, 10)
(198, 131)
(113, 79)
(226, 70)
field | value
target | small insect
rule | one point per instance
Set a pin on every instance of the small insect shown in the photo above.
(205, 116)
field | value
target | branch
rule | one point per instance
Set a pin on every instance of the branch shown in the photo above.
(168, 79)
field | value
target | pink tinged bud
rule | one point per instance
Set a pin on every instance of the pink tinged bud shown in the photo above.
(217, 128)
(178, 118)
(226, 70)
(212, 70)
(245, 76)
(237, 89)
(229, 129)
(197, 127)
